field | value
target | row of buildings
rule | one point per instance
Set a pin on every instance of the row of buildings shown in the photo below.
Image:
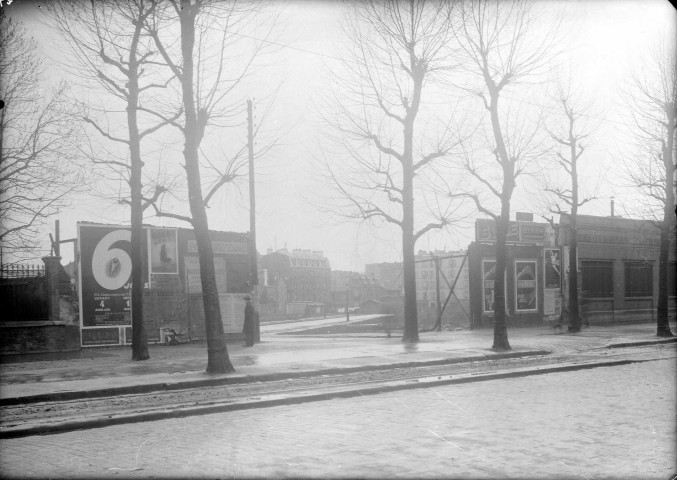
(617, 270)
(302, 283)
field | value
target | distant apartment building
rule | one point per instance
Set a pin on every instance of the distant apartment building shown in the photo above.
(388, 274)
(358, 287)
(298, 282)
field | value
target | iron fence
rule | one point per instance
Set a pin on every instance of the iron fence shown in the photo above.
(23, 293)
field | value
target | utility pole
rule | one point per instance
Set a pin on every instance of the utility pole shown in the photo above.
(347, 302)
(437, 292)
(253, 262)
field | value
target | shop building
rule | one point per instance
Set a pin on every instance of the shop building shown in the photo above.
(532, 275)
(618, 269)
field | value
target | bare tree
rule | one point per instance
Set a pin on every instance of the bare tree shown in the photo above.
(113, 51)
(38, 143)
(653, 105)
(200, 59)
(502, 50)
(566, 196)
(398, 47)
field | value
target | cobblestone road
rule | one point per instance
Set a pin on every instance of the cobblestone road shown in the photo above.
(614, 422)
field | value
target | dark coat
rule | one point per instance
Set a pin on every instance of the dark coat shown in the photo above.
(248, 319)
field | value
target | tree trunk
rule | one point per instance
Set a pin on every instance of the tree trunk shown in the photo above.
(574, 310)
(662, 319)
(500, 325)
(668, 224)
(217, 352)
(139, 337)
(502, 226)
(408, 241)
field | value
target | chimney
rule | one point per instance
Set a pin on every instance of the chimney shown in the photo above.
(612, 207)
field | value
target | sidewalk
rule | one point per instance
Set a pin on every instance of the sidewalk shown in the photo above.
(110, 371)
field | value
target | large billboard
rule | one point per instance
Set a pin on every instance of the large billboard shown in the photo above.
(105, 283)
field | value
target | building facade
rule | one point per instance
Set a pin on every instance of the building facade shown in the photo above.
(532, 275)
(299, 281)
(352, 289)
(388, 274)
(618, 269)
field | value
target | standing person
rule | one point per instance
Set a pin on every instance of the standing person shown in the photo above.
(248, 328)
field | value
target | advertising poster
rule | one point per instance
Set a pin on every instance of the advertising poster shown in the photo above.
(193, 281)
(232, 311)
(553, 268)
(525, 276)
(488, 277)
(163, 250)
(105, 275)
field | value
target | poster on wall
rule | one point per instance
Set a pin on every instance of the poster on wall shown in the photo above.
(553, 268)
(163, 250)
(232, 311)
(488, 278)
(105, 270)
(525, 285)
(193, 280)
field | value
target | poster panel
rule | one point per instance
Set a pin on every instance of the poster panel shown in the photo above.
(488, 278)
(163, 250)
(193, 281)
(553, 268)
(105, 277)
(525, 286)
(232, 311)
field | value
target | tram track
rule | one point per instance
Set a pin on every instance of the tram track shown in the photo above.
(67, 415)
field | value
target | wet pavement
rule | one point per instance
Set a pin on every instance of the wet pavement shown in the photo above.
(615, 423)
(281, 354)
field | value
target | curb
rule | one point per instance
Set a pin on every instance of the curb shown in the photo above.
(240, 378)
(641, 343)
(282, 399)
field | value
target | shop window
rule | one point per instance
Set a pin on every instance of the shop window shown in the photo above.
(638, 279)
(597, 279)
(488, 278)
(526, 292)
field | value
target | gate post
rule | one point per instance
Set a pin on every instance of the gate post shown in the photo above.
(52, 265)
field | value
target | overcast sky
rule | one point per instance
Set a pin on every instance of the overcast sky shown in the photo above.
(605, 41)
